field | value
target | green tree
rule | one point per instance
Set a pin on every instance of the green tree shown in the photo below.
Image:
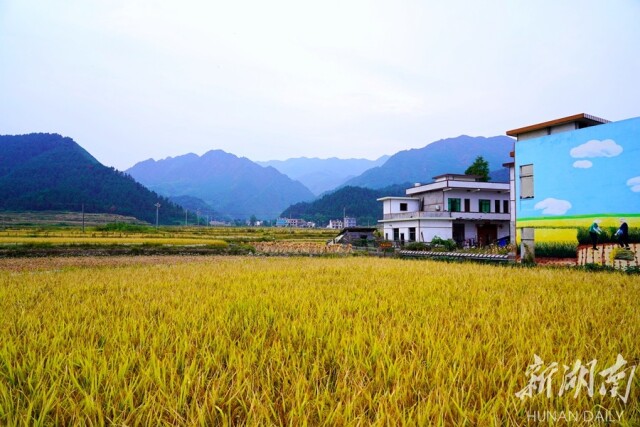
(479, 167)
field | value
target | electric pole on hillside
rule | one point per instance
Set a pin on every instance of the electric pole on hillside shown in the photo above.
(157, 205)
(83, 218)
(186, 212)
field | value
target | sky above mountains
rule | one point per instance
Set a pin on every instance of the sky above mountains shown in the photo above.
(130, 80)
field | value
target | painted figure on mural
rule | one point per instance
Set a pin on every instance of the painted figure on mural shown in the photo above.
(594, 230)
(623, 234)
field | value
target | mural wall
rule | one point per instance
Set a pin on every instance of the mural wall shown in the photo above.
(581, 176)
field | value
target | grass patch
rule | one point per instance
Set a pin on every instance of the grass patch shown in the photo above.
(556, 249)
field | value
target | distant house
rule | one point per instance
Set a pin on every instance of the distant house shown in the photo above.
(291, 222)
(349, 222)
(296, 222)
(457, 207)
(336, 224)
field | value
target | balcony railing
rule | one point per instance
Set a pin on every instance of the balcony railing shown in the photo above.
(486, 216)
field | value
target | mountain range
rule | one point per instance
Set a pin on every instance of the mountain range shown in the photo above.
(233, 186)
(322, 175)
(236, 187)
(46, 171)
(451, 155)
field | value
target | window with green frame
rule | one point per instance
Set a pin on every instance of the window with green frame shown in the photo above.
(484, 205)
(454, 205)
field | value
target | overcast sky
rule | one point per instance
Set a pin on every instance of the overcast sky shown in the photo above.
(131, 80)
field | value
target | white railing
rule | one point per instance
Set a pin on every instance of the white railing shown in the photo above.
(486, 216)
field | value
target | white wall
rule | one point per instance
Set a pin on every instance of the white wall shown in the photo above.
(475, 197)
(426, 230)
(535, 134)
(393, 206)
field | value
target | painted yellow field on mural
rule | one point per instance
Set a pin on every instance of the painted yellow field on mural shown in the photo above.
(546, 235)
(565, 229)
(295, 341)
(582, 221)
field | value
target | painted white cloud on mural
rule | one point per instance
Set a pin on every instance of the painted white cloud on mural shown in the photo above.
(582, 164)
(634, 184)
(596, 148)
(551, 206)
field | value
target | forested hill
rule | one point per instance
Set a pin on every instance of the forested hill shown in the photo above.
(234, 186)
(357, 202)
(452, 155)
(43, 171)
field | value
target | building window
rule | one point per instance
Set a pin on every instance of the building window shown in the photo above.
(412, 234)
(484, 206)
(454, 205)
(497, 206)
(505, 206)
(467, 205)
(526, 181)
(403, 207)
(396, 234)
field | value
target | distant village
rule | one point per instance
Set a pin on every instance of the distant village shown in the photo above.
(585, 175)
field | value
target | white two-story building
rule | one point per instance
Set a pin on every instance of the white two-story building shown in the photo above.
(457, 207)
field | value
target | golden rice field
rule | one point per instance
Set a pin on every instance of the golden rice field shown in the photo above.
(303, 341)
(126, 240)
(166, 235)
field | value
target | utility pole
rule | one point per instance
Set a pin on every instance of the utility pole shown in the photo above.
(83, 218)
(344, 217)
(186, 212)
(157, 205)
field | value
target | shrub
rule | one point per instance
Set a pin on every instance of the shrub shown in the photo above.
(416, 246)
(556, 249)
(448, 244)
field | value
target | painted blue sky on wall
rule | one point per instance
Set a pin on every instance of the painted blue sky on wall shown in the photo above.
(595, 170)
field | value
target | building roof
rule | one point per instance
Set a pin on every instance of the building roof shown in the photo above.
(585, 120)
(457, 177)
(446, 185)
(359, 229)
(382, 199)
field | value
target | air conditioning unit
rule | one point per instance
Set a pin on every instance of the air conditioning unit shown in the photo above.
(438, 207)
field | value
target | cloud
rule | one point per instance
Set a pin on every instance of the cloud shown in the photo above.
(596, 148)
(634, 184)
(553, 206)
(582, 164)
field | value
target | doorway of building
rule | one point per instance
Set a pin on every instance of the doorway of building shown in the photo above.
(487, 234)
(458, 233)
